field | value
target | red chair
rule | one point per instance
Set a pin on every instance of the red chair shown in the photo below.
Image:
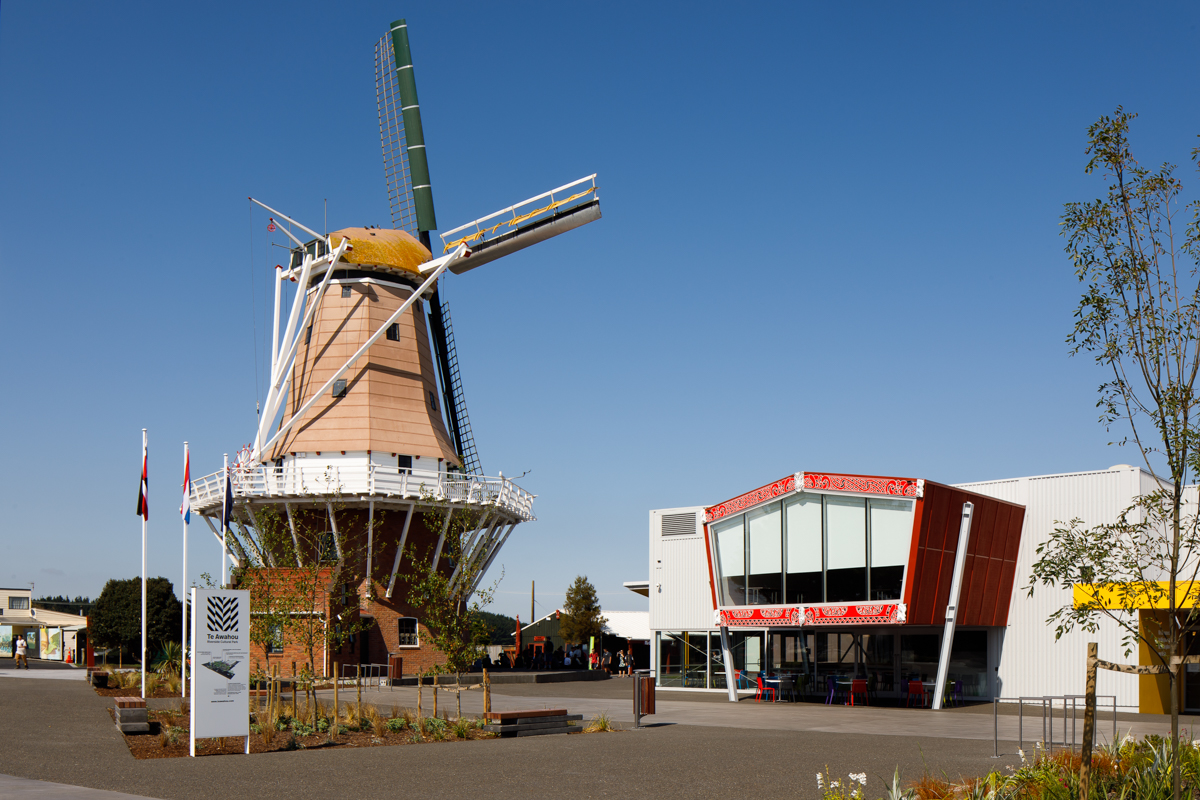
(762, 690)
(916, 691)
(858, 687)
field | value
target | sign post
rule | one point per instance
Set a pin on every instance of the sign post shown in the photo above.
(221, 669)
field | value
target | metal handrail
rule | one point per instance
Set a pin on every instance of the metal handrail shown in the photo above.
(370, 480)
(1047, 703)
(512, 218)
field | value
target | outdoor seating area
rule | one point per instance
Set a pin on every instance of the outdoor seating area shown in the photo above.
(772, 687)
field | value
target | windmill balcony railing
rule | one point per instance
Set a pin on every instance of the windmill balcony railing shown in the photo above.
(309, 483)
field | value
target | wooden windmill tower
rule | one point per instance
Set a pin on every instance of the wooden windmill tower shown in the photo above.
(363, 464)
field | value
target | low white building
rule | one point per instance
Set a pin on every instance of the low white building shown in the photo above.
(841, 577)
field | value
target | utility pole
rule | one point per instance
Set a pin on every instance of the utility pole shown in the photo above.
(531, 593)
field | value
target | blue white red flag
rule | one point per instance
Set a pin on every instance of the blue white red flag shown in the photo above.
(185, 508)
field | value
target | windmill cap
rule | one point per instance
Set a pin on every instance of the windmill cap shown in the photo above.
(382, 247)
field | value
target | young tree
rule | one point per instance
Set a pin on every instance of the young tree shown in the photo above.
(450, 602)
(1139, 319)
(295, 569)
(581, 613)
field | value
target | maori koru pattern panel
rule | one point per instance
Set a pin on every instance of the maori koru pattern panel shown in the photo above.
(760, 495)
(222, 614)
(759, 617)
(897, 487)
(811, 616)
(855, 614)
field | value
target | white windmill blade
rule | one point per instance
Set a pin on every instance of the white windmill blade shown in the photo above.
(526, 223)
(391, 135)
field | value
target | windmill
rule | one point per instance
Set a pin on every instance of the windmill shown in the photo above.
(364, 428)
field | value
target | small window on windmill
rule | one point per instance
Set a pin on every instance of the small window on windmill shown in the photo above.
(407, 630)
(339, 387)
(393, 332)
(405, 464)
(433, 401)
(308, 334)
(345, 290)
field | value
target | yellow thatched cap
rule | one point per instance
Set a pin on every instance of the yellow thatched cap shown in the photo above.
(382, 247)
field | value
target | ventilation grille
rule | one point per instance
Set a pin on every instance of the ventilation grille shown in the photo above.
(679, 524)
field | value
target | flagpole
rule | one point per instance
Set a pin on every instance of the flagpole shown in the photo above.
(144, 516)
(186, 506)
(224, 525)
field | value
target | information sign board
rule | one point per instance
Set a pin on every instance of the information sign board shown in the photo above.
(220, 664)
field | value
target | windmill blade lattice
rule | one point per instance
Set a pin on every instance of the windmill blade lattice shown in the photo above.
(391, 135)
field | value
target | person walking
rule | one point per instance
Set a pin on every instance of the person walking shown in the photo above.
(21, 647)
(620, 662)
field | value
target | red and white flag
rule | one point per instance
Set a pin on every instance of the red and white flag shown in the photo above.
(143, 510)
(185, 508)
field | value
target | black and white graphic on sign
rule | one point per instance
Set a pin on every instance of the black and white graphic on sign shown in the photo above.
(222, 614)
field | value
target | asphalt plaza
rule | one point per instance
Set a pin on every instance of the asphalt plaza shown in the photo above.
(59, 732)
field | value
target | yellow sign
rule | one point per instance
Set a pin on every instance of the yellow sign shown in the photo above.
(1135, 595)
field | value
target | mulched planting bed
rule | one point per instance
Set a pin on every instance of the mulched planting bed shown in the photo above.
(110, 691)
(168, 738)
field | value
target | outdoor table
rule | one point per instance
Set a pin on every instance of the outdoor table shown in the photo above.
(772, 683)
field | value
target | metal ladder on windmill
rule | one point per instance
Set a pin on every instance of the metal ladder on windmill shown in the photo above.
(465, 438)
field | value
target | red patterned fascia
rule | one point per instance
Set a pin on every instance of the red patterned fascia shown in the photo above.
(812, 616)
(759, 495)
(863, 484)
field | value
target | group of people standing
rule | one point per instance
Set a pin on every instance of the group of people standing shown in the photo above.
(573, 656)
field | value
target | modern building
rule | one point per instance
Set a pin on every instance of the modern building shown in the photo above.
(850, 576)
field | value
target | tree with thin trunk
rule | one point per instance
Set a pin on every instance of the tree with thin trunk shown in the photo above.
(447, 595)
(581, 617)
(1139, 318)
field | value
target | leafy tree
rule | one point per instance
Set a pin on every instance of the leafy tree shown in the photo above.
(116, 618)
(1139, 319)
(293, 580)
(449, 601)
(581, 613)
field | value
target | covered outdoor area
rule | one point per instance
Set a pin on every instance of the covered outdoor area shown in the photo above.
(854, 666)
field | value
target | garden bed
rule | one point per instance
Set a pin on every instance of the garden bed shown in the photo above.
(169, 731)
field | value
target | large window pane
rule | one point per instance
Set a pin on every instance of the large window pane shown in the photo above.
(765, 526)
(731, 560)
(846, 549)
(891, 538)
(804, 581)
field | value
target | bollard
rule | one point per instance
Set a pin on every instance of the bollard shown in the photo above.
(358, 689)
(333, 727)
(487, 693)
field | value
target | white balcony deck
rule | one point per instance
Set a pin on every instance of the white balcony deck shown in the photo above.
(308, 484)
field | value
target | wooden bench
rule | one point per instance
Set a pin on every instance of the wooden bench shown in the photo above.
(538, 722)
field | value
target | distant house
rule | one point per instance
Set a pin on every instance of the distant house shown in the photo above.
(48, 635)
(623, 630)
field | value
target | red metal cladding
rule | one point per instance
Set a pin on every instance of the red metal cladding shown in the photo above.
(712, 576)
(990, 566)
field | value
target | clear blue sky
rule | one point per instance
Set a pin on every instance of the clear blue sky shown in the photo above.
(829, 243)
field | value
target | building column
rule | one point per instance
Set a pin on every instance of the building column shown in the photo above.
(727, 657)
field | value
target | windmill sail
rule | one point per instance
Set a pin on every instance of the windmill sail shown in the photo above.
(412, 211)
(391, 134)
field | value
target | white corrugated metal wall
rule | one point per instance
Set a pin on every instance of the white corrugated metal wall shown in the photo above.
(680, 597)
(1033, 662)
